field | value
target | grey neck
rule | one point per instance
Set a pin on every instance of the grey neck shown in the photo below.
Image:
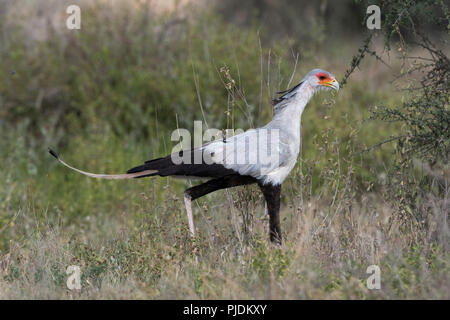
(291, 109)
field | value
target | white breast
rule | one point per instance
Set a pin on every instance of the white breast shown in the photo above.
(243, 154)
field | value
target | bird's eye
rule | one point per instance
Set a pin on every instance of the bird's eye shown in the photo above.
(322, 77)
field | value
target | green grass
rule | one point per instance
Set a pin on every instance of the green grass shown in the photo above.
(110, 99)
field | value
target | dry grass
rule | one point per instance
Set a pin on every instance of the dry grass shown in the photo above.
(131, 239)
(321, 259)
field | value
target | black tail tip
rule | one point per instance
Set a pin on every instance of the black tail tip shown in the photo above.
(53, 153)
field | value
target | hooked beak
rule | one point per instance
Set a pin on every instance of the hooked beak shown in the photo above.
(333, 84)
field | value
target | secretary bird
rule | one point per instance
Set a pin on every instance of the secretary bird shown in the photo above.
(218, 158)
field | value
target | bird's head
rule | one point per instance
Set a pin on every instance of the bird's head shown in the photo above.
(316, 80)
(321, 80)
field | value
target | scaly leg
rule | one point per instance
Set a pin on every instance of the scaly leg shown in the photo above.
(188, 204)
(272, 194)
(208, 187)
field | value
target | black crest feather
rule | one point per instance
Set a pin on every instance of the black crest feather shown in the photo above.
(286, 94)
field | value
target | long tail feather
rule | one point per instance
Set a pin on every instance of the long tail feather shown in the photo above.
(104, 176)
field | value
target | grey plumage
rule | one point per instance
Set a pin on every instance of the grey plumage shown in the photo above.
(285, 146)
(264, 155)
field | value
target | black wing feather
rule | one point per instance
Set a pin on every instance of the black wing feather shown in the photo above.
(166, 167)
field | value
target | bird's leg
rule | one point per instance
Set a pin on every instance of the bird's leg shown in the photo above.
(188, 204)
(272, 194)
(208, 187)
(265, 211)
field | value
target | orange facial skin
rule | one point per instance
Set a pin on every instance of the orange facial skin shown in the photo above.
(324, 79)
